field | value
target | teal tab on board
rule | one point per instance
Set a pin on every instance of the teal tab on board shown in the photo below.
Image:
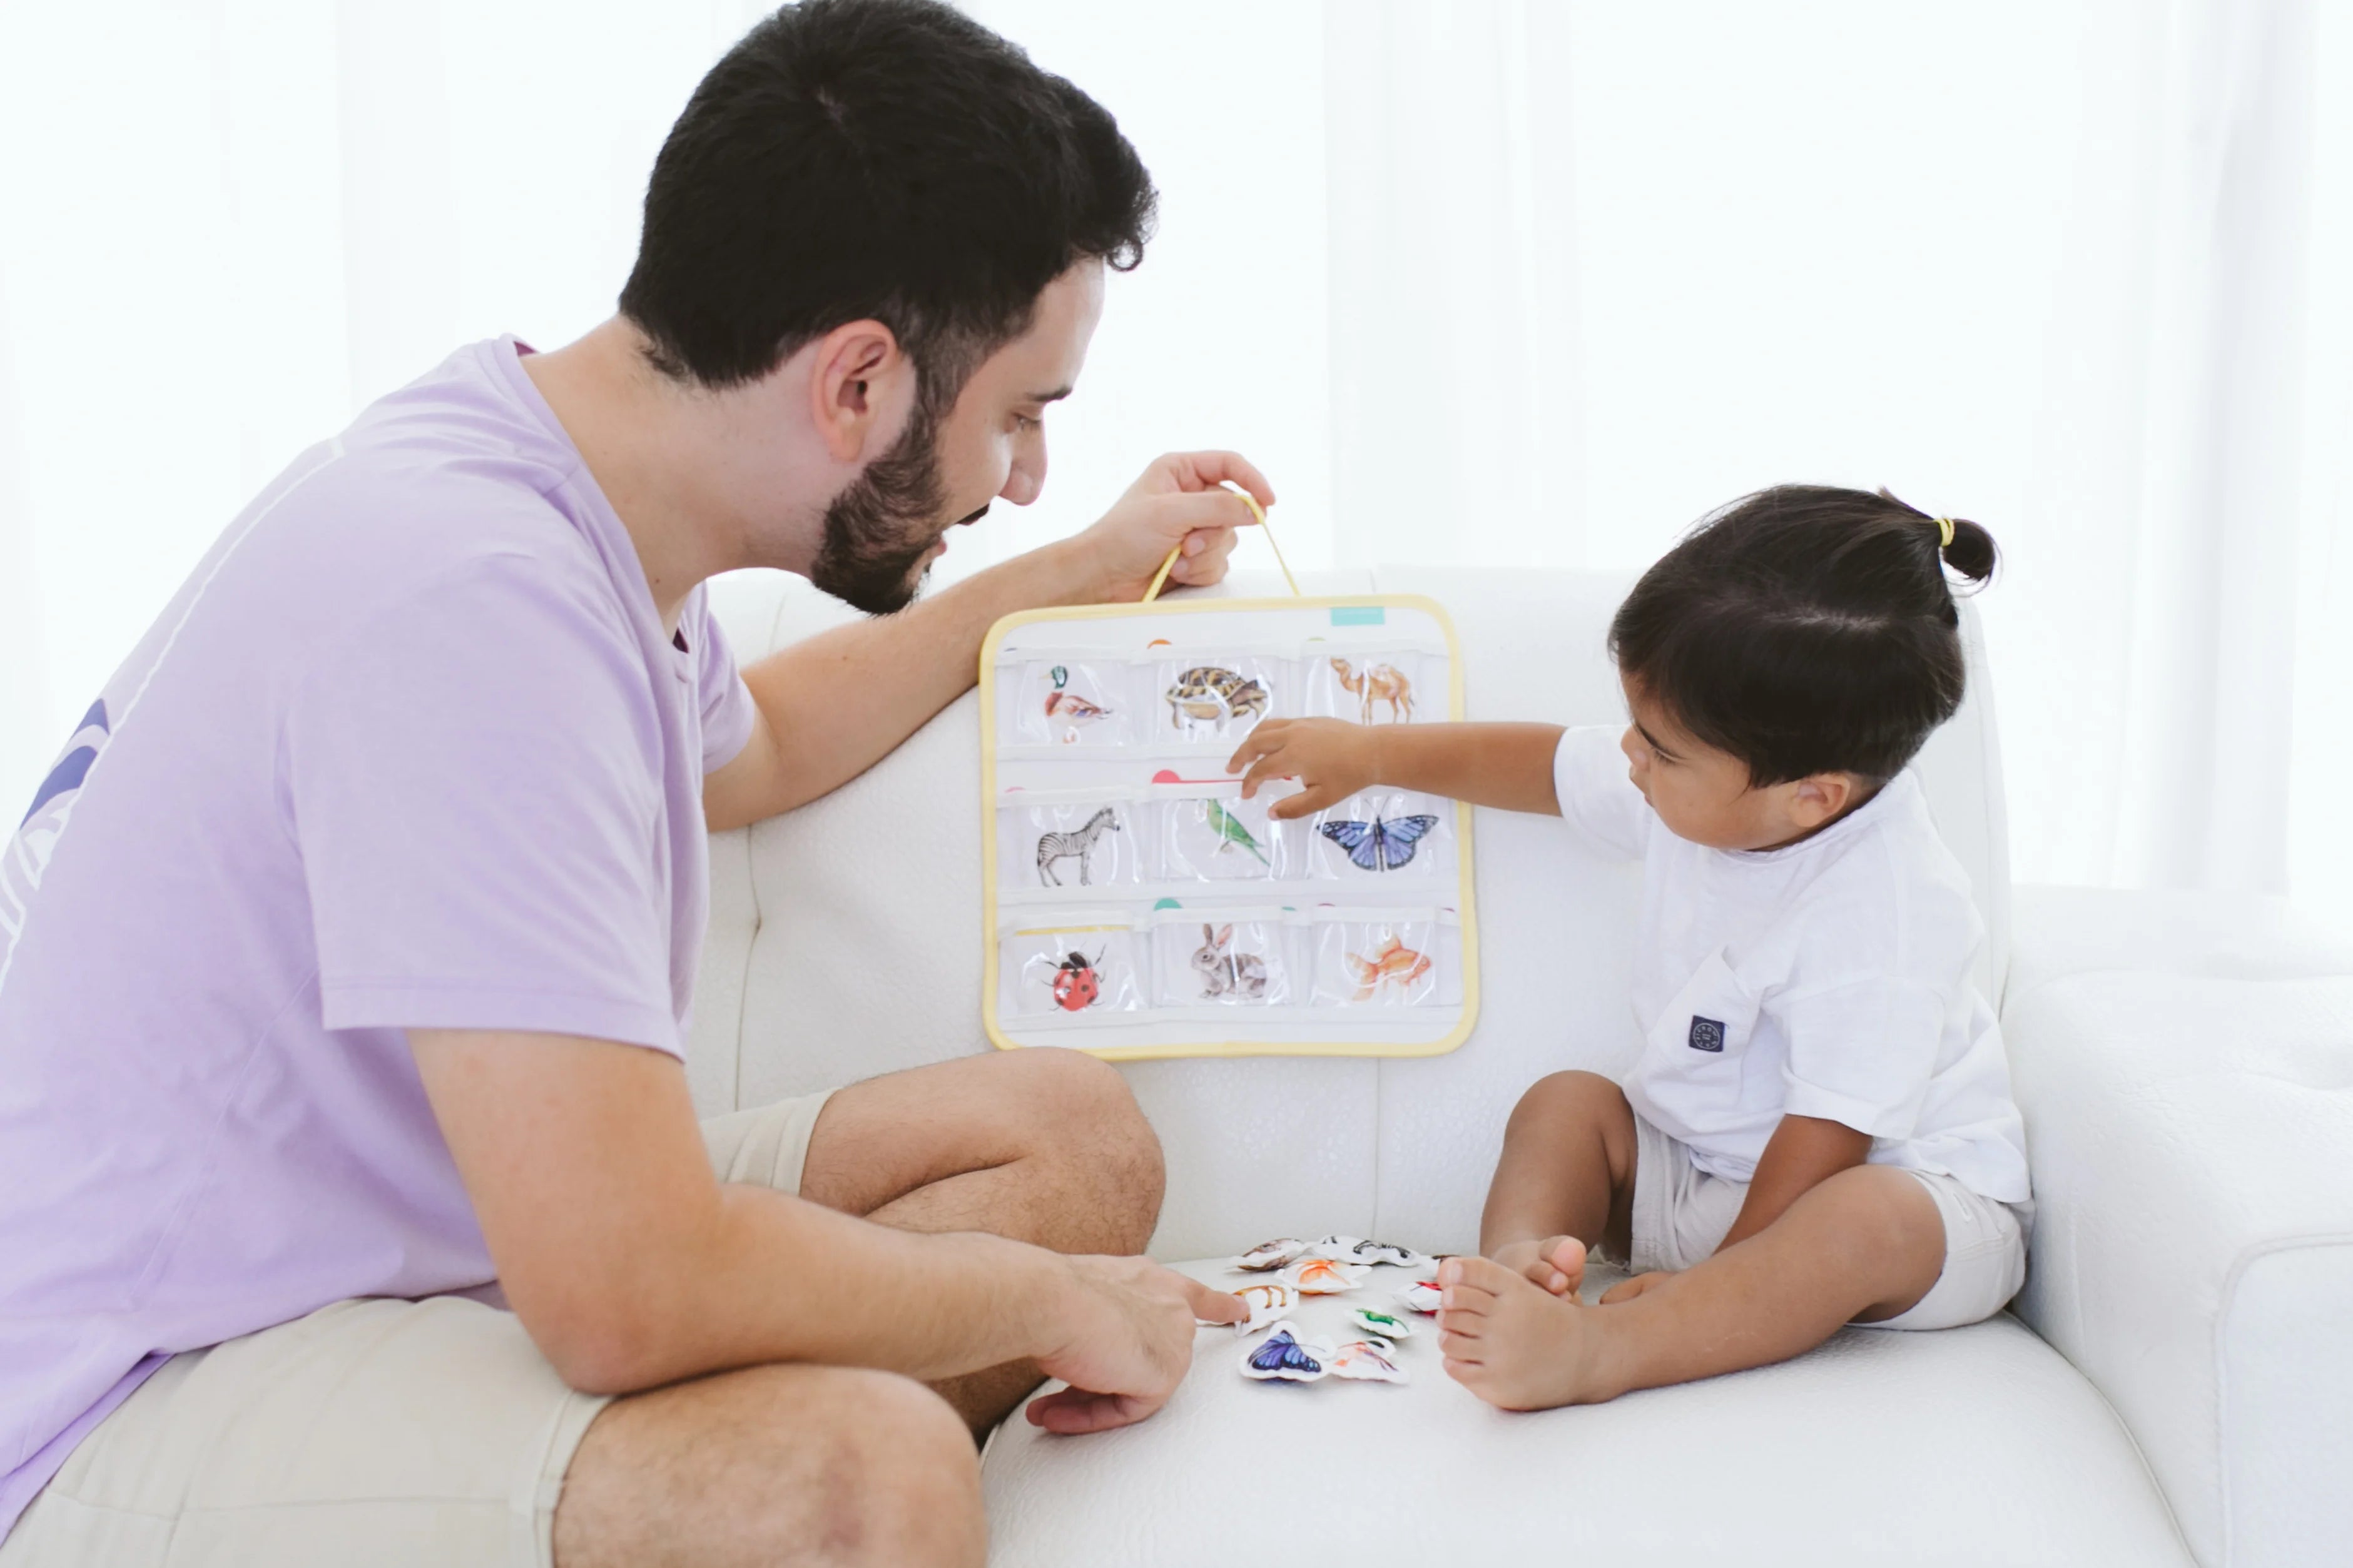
(1359, 615)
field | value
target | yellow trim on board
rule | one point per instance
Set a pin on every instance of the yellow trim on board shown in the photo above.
(991, 962)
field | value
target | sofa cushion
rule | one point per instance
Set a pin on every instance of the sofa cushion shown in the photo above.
(1967, 1448)
(2193, 1254)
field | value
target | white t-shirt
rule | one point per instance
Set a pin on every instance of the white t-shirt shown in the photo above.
(1832, 979)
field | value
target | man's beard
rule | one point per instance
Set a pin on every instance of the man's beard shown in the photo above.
(878, 530)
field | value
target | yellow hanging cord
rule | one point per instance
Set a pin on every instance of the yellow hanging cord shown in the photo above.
(1160, 578)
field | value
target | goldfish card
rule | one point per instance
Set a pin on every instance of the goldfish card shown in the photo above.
(1138, 906)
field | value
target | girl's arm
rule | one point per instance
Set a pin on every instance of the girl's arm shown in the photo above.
(1504, 765)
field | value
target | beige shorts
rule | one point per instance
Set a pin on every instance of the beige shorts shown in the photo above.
(369, 1434)
(1682, 1214)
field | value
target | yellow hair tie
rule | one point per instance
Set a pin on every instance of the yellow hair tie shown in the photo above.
(1160, 578)
(1944, 533)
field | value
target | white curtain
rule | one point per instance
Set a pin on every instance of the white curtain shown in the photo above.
(1501, 281)
(2069, 269)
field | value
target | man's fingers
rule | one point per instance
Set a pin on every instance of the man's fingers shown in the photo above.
(1214, 1306)
(1205, 557)
(1204, 469)
(1073, 1412)
(1199, 512)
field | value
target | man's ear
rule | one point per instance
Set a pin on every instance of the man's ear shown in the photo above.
(859, 381)
(1819, 797)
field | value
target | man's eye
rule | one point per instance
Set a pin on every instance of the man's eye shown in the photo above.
(1023, 422)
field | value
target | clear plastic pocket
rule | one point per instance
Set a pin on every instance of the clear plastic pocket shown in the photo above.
(1381, 963)
(1069, 972)
(1214, 698)
(1225, 839)
(1381, 835)
(1069, 703)
(1368, 687)
(1069, 844)
(1223, 963)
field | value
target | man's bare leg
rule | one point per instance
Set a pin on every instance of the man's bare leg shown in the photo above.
(1564, 1181)
(1044, 1146)
(774, 1466)
(1864, 1245)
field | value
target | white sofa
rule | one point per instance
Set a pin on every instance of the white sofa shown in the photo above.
(2176, 1385)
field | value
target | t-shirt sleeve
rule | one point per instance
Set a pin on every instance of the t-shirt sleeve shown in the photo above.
(1862, 1053)
(1597, 798)
(726, 700)
(474, 782)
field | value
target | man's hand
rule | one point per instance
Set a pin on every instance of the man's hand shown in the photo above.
(1129, 1340)
(1180, 501)
(1332, 758)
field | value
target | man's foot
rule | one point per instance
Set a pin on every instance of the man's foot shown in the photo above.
(1557, 1262)
(1512, 1343)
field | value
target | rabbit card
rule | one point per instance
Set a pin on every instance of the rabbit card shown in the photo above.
(1138, 906)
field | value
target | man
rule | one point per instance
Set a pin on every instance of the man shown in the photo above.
(348, 948)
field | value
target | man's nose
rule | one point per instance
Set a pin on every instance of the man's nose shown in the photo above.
(1027, 481)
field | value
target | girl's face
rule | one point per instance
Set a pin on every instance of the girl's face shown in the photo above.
(1703, 794)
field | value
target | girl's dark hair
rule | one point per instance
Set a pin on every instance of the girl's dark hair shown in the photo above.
(891, 159)
(1806, 629)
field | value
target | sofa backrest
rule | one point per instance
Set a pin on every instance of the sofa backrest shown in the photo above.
(845, 939)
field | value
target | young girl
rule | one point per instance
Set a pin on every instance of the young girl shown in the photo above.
(1819, 1128)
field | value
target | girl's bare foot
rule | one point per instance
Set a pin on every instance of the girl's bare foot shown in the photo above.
(1515, 1344)
(1556, 1262)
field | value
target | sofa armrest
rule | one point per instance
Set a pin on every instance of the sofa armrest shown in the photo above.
(2189, 1111)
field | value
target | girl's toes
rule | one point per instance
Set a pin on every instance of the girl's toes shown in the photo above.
(1463, 1277)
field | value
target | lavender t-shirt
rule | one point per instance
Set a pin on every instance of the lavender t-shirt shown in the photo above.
(409, 749)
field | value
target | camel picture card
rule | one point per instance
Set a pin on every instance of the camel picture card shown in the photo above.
(1136, 906)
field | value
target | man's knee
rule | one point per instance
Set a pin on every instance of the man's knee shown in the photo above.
(1080, 1109)
(832, 1464)
(911, 1493)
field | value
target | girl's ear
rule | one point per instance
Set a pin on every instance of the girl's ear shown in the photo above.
(1821, 796)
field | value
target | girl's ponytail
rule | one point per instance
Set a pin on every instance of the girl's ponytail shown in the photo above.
(1972, 553)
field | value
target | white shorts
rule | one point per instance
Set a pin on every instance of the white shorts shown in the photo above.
(371, 1434)
(1682, 1214)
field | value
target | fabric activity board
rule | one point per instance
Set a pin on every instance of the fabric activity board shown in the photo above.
(1138, 906)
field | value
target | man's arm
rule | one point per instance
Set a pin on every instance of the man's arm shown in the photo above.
(631, 1265)
(831, 707)
(1803, 1152)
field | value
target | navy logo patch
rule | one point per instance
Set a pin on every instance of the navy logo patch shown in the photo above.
(1706, 1035)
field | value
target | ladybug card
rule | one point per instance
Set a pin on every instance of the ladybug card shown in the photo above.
(1138, 906)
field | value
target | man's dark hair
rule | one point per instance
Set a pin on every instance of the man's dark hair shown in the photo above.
(1806, 629)
(891, 159)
